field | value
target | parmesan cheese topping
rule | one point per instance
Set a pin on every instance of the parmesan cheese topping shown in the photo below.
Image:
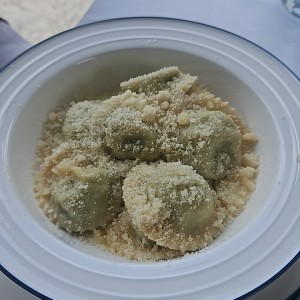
(151, 173)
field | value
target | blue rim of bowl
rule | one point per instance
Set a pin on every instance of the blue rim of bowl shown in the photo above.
(245, 296)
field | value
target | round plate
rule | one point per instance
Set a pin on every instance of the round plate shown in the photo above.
(260, 242)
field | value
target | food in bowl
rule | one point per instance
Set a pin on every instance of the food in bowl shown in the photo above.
(156, 171)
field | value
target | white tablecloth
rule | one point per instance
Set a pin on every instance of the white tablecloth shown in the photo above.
(263, 22)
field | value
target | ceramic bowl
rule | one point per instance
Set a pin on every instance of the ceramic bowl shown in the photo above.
(93, 59)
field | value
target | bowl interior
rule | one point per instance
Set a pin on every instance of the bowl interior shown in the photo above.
(89, 75)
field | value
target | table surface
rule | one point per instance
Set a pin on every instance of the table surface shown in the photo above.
(263, 22)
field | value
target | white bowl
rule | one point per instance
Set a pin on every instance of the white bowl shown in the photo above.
(91, 59)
